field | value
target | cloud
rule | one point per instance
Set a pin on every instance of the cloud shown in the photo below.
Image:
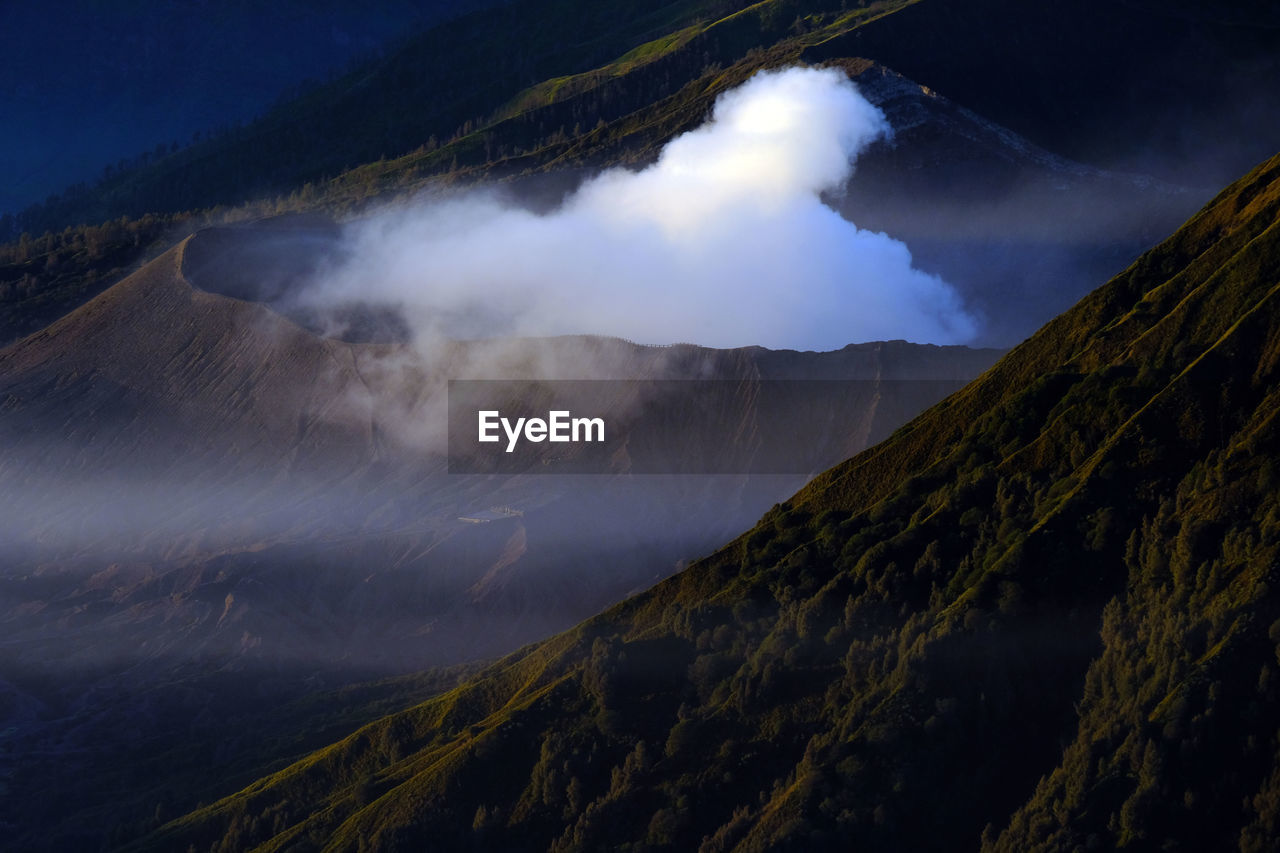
(724, 241)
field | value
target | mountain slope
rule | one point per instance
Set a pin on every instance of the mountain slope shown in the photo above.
(428, 88)
(1079, 548)
(533, 83)
(209, 509)
(244, 444)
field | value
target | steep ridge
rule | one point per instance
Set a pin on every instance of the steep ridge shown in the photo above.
(427, 88)
(560, 73)
(1079, 548)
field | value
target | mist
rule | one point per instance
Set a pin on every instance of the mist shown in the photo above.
(724, 241)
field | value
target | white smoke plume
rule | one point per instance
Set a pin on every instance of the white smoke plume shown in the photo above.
(724, 241)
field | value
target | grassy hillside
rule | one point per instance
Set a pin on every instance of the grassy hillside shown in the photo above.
(1041, 614)
(1184, 89)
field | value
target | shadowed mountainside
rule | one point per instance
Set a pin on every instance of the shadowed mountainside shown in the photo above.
(538, 82)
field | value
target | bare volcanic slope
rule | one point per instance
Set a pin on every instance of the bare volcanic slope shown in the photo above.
(164, 386)
(1078, 549)
(208, 506)
(164, 425)
(154, 360)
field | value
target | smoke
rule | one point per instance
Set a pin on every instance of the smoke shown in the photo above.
(724, 241)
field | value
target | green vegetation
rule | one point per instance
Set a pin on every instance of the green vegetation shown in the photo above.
(42, 279)
(1042, 615)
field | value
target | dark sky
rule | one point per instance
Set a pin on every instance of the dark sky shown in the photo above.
(84, 83)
